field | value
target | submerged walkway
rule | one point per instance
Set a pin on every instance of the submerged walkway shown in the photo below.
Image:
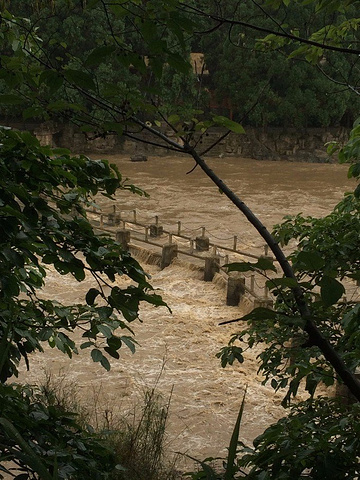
(156, 245)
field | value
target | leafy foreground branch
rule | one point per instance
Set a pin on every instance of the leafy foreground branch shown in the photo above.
(320, 436)
(43, 196)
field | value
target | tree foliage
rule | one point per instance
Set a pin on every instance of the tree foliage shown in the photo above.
(44, 194)
(293, 92)
(309, 338)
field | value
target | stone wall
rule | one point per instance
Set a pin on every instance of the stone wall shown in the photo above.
(290, 144)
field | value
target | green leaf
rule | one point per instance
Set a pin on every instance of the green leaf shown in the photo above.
(114, 342)
(96, 355)
(52, 79)
(32, 112)
(240, 267)
(11, 100)
(331, 290)
(282, 282)
(129, 342)
(105, 363)
(261, 264)
(105, 330)
(98, 55)
(91, 296)
(357, 192)
(173, 119)
(231, 467)
(113, 353)
(310, 260)
(261, 313)
(80, 79)
(229, 124)
(178, 63)
(156, 65)
(265, 264)
(61, 151)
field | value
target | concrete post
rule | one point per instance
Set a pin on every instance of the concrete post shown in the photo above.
(156, 230)
(123, 237)
(252, 283)
(202, 243)
(169, 252)
(212, 266)
(111, 219)
(235, 290)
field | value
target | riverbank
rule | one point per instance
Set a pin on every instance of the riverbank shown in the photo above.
(284, 144)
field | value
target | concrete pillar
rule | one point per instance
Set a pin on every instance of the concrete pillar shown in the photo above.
(252, 283)
(212, 266)
(235, 242)
(235, 290)
(202, 244)
(169, 252)
(156, 230)
(111, 219)
(123, 237)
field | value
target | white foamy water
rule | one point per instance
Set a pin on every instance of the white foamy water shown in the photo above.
(182, 345)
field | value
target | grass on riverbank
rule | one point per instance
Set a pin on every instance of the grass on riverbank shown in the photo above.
(138, 440)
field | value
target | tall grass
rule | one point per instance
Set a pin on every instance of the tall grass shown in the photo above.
(137, 440)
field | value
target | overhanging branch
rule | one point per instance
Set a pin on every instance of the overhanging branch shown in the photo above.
(311, 329)
(269, 31)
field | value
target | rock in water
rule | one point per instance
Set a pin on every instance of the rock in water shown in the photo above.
(138, 158)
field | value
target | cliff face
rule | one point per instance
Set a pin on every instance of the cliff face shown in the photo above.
(304, 145)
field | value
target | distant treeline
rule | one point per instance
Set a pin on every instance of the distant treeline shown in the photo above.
(237, 78)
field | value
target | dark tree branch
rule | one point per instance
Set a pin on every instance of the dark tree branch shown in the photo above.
(310, 328)
(269, 31)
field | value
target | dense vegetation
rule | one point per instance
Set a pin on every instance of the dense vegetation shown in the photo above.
(310, 338)
(250, 84)
(293, 91)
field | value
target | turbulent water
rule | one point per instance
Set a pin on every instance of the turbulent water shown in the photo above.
(177, 350)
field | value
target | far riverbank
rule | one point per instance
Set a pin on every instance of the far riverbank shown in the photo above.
(284, 144)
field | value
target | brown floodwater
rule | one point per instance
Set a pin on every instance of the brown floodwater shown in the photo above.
(176, 351)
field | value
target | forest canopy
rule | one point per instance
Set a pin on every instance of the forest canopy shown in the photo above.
(244, 76)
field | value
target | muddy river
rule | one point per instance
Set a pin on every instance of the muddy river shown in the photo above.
(177, 351)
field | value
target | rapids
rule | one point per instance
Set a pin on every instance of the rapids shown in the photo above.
(176, 351)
